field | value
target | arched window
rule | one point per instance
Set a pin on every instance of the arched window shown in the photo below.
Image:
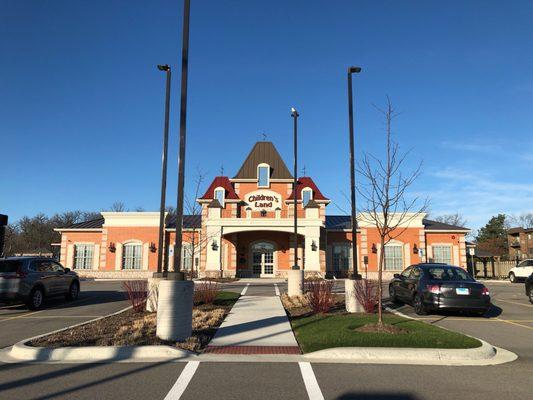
(220, 195)
(263, 175)
(132, 256)
(307, 195)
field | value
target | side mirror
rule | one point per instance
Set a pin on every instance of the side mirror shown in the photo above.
(67, 270)
(397, 276)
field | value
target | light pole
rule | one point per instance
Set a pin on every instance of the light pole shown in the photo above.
(352, 70)
(178, 274)
(168, 71)
(295, 115)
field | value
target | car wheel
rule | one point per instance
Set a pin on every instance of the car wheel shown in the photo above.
(392, 295)
(531, 295)
(512, 277)
(73, 291)
(35, 299)
(418, 304)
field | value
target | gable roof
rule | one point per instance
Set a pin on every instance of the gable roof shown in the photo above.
(189, 221)
(96, 223)
(263, 152)
(220, 181)
(430, 225)
(304, 182)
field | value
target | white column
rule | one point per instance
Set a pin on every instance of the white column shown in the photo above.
(70, 256)
(407, 255)
(213, 256)
(312, 258)
(146, 252)
(456, 260)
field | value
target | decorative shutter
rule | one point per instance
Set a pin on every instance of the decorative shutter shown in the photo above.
(96, 256)
(118, 256)
(146, 252)
(70, 256)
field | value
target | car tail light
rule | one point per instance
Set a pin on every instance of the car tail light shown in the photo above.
(435, 289)
(485, 291)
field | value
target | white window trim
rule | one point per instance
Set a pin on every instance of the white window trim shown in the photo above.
(306, 189)
(449, 245)
(394, 243)
(131, 242)
(75, 252)
(268, 175)
(220, 189)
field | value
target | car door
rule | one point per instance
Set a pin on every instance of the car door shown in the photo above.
(62, 279)
(528, 268)
(411, 283)
(401, 287)
(522, 269)
(44, 275)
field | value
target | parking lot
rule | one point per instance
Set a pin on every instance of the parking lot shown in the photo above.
(509, 324)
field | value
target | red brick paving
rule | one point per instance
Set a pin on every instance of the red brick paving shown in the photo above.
(251, 350)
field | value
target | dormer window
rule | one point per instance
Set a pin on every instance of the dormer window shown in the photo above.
(220, 195)
(263, 175)
(307, 195)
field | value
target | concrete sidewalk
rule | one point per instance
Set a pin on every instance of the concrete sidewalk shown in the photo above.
(255, 325)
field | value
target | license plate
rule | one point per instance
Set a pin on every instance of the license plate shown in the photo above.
(462, 291)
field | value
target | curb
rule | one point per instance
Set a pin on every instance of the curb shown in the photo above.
(486, 354)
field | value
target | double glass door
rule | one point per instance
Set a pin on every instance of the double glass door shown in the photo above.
(263, 259)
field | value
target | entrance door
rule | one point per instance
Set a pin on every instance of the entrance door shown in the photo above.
(263, 259)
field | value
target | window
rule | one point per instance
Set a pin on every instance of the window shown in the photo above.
(263, 175)
(220, 195)
(448, 274)
(393, 257)
(83, 256)
(307, 195)
(131, 256)
(341, 257)
(186, 256)
(442, 254)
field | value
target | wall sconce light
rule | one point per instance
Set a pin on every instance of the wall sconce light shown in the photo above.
(263, 213)
(313, 245)
(415, 249)
(112, 247)
(214, 245)
(374, 248)
(152, 247)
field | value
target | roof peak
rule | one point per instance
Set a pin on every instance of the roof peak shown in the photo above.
(263, 152)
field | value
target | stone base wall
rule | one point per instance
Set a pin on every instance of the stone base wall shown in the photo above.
(92, 274)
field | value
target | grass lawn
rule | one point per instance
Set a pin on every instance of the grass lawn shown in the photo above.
(322, 331)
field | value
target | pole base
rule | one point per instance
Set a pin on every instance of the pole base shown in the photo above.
(352, 304)
(174, 310)
(295, 282)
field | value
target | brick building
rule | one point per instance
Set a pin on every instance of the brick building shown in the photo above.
(245, 229)
(520, 243)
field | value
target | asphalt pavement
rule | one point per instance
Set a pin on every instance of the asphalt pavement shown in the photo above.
(509, 325)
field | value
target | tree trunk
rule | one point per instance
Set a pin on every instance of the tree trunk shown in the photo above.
(380, 281)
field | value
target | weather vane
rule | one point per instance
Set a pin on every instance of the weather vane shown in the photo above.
(222, 170)
(304, 169)
(264, 136)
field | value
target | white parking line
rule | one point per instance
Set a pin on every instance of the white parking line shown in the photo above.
(276, 288)
(311, 384)
(183, 381)
(245, 289)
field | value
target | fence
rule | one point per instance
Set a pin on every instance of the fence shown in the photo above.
(494, 269)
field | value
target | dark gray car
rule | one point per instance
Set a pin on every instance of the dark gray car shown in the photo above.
(433, 287)
(32, 279)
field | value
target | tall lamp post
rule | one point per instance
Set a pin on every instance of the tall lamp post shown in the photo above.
(352, 70)
(175, 295)
(295, 115)
(168, 71)
(178, 274)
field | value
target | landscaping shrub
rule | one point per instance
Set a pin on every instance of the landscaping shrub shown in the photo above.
(319, 293)
(137, 293)
(366, 293)
(205, 292)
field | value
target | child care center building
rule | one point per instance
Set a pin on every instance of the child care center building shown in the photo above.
(245, 229)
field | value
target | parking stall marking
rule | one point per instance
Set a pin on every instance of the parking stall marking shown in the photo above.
(310, 382)
(276, 288)
(514, 323)
(183, 381)
(245, 289)
(514, 302)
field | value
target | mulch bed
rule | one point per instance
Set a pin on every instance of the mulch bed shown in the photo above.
(136, 329)
(298, 306)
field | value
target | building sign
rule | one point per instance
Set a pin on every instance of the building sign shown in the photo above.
(263, 200)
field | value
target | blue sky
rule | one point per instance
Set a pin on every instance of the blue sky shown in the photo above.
(81, 105)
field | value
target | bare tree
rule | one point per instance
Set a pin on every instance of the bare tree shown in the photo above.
(523, 220)
(452, 219)
(118, 206)
(384, 190)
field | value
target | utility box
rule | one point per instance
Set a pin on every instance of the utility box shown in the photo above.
(3, 224)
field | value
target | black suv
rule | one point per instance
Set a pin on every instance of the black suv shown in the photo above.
(529, 288)
(31, 279)
(432, 287)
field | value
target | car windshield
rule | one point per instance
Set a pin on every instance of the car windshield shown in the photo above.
(9, 265)
(448, 274)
